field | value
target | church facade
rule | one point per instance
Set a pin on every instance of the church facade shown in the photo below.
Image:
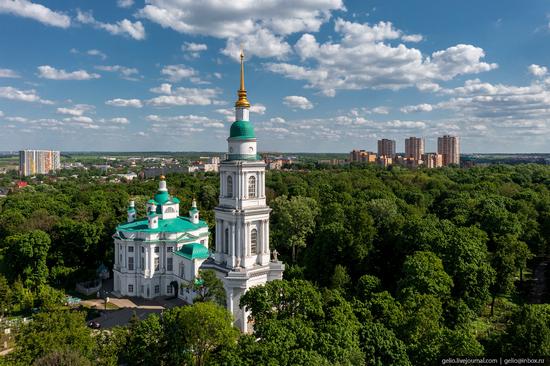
(161, 255)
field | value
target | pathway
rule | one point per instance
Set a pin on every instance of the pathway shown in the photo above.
(538, 291)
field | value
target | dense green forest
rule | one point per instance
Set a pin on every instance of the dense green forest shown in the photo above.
(384, 267)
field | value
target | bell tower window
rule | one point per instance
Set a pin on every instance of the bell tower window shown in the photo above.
(226, 241)
(254, 242)
(252, 187)
(229, 186)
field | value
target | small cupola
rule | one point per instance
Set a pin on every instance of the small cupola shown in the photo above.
(152, 220)
(194, 212)
(151, 206)
(131, 212)
(162, 196)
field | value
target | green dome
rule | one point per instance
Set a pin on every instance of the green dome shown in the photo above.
(193, 251)
(242, 130)
(162, 197)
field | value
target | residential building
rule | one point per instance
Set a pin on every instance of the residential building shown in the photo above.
(32, 162)
(449, 147)
(386, 148)
(432, 160)
(385, 161)
(414, 148)
(362, 156)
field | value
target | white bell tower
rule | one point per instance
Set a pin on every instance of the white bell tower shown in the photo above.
(242, 254)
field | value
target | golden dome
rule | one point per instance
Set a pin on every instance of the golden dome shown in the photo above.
(162, 177)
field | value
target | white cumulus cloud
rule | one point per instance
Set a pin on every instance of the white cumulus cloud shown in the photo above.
(49, 72)
(97, 53)
(163, 88)
(11, 93)
(118, 102)
(365, 57)
(424, 107)
(125, 72)
(8, 73)
(176, 73)
(125, 3)
(122, 27)
(537, 70)
(258, 108)
(28, 9)
(186, 96)
(296, 101)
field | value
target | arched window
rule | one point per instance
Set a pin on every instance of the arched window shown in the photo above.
(254, 241)
(252, 187)
(226, 241)
(169, 210)
(229, 186)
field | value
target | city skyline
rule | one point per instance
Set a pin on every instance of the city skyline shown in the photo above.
(326, 75)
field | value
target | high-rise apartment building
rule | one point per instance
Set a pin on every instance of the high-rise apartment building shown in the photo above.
(33, 162)
(386, 148)
(414, 148)
(449, 147)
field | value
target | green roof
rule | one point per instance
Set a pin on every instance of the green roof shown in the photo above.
(242, 130)
(176, 225)
(152, 201)
(252, 157)
(162, 197)
(193, 209)
(131, 209)
(175, 200)
(193, 251)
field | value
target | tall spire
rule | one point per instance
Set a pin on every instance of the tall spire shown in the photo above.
(242, 102)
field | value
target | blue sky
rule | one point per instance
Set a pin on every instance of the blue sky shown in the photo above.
(322, 75)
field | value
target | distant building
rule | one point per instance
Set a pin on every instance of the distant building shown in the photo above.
(386, 148)
(362, 156)
(211, 165)
(128, 176)
(385, 161)
(331, 161)
(432, 160)
(449, 147)
(414, 148)
(407, 162)
(32, 162)
(156, 172)
(102, 167)
(277, 163)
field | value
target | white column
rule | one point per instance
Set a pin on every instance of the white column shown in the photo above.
(265, 248)
(239, 234)
(267, 236)
(242, 185)
(262, 185)
(247, 239)
(232, 243)
(218, 236)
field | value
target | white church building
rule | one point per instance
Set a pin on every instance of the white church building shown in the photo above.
(160, 255)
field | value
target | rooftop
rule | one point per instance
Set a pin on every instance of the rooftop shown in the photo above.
(177, 225)
(193, 251)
